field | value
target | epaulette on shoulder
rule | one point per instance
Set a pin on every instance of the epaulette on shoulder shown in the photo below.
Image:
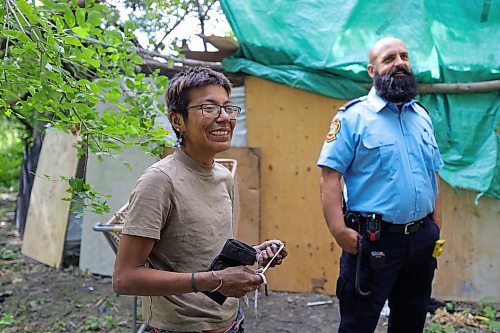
(423, 107)
(351, 103)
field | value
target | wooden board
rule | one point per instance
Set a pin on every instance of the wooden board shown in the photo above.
(47, 218)
(469, 268)
(248, 192)
(289, 126)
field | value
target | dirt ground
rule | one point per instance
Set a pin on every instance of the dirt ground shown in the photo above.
(36, 298)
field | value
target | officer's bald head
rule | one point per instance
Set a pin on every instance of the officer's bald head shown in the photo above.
(383, 44)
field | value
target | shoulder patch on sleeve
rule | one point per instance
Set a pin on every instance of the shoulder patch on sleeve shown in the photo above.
(334, 129)
(422, 106)
(351, 103)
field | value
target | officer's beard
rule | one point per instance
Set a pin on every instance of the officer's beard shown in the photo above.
(396, 88)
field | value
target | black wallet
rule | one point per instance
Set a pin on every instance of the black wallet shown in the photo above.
(234, 253)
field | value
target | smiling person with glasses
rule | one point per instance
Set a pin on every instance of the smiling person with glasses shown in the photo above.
(181, 214)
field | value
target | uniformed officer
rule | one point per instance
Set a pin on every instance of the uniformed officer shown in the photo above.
(383, 146)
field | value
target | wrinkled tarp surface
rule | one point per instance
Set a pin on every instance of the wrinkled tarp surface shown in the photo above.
(322, 46)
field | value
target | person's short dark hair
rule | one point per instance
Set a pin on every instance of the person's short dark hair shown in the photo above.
(177, 96)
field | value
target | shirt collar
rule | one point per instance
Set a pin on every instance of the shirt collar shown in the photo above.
(379, 103)
(192, 164)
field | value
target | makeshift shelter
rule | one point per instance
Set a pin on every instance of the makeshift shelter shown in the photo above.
(322, 47)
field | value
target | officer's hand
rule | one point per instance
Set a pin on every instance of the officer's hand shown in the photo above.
(237, 281)
(347, 239)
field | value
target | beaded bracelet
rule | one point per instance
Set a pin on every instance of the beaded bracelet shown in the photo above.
(193, 286)
(220, 285)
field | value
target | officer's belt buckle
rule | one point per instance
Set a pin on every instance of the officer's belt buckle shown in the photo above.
(407, 231)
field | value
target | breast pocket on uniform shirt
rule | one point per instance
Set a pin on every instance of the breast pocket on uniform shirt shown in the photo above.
(429, 148)
(381, 151)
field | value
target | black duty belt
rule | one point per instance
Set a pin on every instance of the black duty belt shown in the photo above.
(388, 227)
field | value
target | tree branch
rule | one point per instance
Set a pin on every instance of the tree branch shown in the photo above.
(154, 54)
(170, 30)
(453, 88)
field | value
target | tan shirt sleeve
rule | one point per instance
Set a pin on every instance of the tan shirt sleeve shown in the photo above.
(149, 204)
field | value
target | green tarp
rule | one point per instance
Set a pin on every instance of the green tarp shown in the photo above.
(322, 46)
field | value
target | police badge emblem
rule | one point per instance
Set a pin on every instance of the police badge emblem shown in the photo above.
(334, 129)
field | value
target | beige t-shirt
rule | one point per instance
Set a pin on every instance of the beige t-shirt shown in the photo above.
(188, 209)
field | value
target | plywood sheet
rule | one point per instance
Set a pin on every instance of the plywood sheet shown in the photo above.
(289, 126)
(110, 176)
(47, 218)
(247, 188)
(469, 268)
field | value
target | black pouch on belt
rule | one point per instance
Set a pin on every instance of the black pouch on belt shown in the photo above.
(234, 253)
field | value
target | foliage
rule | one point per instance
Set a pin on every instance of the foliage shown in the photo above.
(492, 321)
(11, 153)
(159, 18)
(438, 328)
(93, 324)
(85, 198)
(483, 316)
(60, 60)
(54, 51)
(7, 319)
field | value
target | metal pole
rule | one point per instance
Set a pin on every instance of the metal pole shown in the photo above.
(134, 313)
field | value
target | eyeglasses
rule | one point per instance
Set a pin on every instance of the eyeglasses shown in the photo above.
(213, 110)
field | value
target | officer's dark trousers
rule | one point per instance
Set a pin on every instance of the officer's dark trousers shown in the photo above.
(405, 281)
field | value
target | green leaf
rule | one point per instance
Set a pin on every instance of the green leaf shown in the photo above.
(25, 8)
(122, 107)
(130, 84)
(72, 41)
(51, 41)
(59, 23)
(94, 18)
(69, 18)
(82, 32)
(93, 62)
(489, 312)
(10, 33)
(136, 59)
(129, 26)
(112, 97)
(43, 61)
(92, 99)
(114, 57)
(23, 38)
(494, 325)
(80, 16)
(90, 85)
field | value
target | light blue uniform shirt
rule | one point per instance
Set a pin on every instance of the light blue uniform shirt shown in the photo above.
(388, 158)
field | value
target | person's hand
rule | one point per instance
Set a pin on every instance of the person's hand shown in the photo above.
(347, 239)
(267, 250)
(237, 281)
